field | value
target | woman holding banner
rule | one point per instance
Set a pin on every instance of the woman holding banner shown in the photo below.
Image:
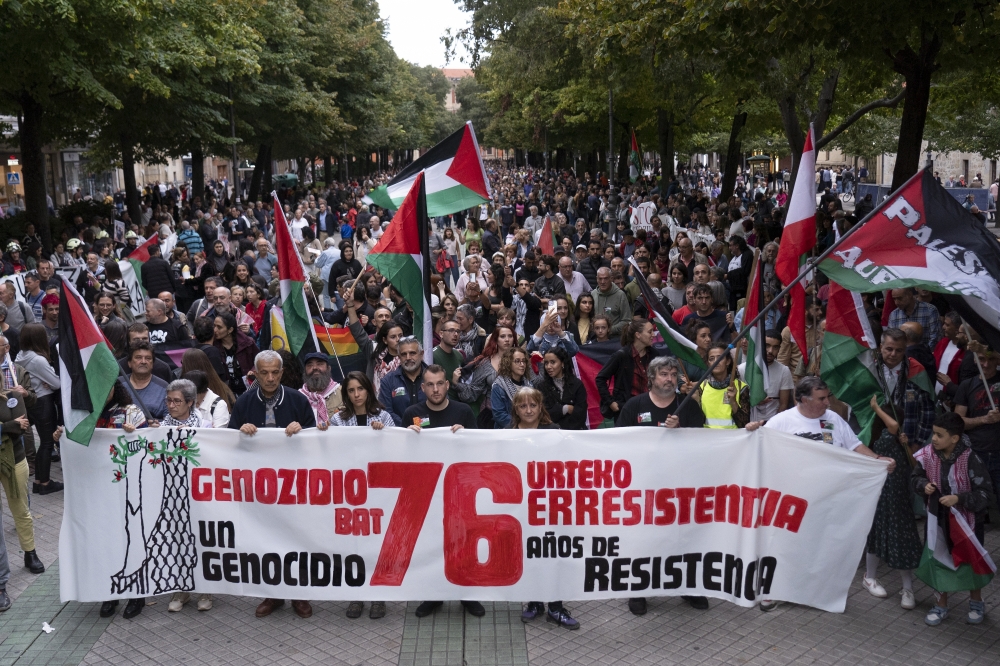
(528, 413)
(361, 408)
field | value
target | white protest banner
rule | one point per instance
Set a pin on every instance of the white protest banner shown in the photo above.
(17, 279)
(501, 515)
(642, 216)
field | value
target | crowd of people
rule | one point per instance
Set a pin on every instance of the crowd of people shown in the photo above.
(509, 318)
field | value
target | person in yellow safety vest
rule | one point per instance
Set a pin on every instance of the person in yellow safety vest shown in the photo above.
(724, 400)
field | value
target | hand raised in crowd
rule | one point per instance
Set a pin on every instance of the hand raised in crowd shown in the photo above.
(293, 427)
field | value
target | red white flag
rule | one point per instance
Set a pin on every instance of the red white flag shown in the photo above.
(798, 239)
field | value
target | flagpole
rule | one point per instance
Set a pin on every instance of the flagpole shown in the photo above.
(979, 366)
(329, 337)
(811, 265)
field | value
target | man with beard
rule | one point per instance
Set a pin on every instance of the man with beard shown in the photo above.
(320, 388)
(659, 408)
(780, 385)
(437, 411)
(401, 388)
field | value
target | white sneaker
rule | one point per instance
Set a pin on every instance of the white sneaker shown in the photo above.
(908, 602)
(205, 602)
(177, 601)
(874, 587)
(768, 605)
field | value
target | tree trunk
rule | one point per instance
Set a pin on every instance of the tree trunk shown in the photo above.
(198, 172)
(327, 171)
(128, 169)
(732, 156)
(793, 130)
(256, 180)
(917, 68)
(33, 169)
(665, 134)
(623, 158)
(268, 176)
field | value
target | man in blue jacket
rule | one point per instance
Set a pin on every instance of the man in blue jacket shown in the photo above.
(401, 387)
(268, 404)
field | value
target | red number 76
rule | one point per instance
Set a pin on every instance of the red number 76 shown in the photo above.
(463, 527)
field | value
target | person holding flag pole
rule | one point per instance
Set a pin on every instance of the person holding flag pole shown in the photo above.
(292, 280)
(811, 265)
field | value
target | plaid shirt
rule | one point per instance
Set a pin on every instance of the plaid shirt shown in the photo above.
(918, 407)
(924, 314)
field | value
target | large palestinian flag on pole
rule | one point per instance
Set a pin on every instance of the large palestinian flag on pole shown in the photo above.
(87, 367)
(849, 347)
(402, 255)
(139, 256)
(798, 238)
(922, 237)
(756, 373)
(292, 283)
(454, 174)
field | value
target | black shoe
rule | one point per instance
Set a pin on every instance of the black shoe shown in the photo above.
(33, 564)
(427, 607)
(699, 603)
(5, 601)
(474, 608)
(50, 487)
(133, 608)
(637, 606)
(108, 608)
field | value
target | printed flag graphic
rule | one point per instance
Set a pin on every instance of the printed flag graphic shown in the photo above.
(922, 237)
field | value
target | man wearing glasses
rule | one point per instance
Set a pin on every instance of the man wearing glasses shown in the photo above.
(446, 355)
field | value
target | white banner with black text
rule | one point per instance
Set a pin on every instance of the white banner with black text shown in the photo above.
(503, 515)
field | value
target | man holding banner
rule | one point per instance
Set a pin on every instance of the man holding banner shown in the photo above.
(271, 406)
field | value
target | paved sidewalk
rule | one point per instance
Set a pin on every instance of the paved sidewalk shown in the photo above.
(872, 631)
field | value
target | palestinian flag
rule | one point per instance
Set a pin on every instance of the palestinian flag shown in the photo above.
(922, 237)
(292, 281)
(547, 242)
(756, 374)
(87, 367)
(139, 256)
(797, 240)
(634, 160)
(402, 255)
(848, 364)
(588, 362)
(953, 559)
(454, 173)
(678, 343)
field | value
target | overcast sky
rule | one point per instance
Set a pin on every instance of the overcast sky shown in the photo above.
(416, 26)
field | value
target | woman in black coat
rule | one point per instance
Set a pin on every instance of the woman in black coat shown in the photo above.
(346, 265)
(564, 394)
(637, 340)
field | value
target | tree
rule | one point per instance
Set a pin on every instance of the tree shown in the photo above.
(50, 89)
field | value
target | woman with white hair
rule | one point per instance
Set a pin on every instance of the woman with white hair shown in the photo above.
(473, 273)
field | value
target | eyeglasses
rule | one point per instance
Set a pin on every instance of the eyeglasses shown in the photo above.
(176, 401)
